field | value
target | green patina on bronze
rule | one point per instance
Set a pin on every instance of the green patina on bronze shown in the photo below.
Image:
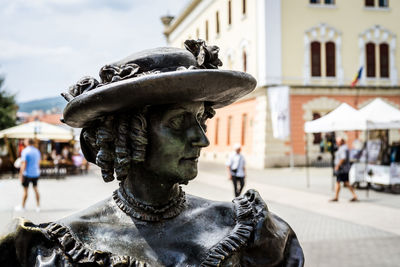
(144, 124)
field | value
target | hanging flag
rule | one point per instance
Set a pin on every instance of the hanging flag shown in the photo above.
(357, 77)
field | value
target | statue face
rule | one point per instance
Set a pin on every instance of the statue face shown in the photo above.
(176, 136)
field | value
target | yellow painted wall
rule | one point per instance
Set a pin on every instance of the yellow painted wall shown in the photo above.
(230, 38)
(350, 17)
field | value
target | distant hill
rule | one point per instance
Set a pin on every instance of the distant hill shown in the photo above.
(44, 104)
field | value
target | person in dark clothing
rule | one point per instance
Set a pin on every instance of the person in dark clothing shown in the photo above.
(342, 167)
(236, 169)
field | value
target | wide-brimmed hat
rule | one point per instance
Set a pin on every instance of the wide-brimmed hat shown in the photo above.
(155, 77)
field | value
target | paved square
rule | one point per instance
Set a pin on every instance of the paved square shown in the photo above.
(332, 234)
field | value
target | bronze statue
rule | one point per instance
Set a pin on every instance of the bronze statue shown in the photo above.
(144, 124)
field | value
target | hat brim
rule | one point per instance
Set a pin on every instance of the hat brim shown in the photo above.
(219, 88)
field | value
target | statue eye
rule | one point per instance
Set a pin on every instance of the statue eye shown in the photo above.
(177, 122)
(204, 126)
(201, 118)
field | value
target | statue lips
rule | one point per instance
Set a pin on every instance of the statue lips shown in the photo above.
(194, 159)
(191, 158)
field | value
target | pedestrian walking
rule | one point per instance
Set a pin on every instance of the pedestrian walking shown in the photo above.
(342, 168)
(236, 169)
(29, 173)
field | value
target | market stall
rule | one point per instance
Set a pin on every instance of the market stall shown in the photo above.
(343, 118)
(47, 136)
(377, 115)
(380, 173)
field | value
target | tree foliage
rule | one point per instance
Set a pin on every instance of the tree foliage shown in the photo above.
(8, 107)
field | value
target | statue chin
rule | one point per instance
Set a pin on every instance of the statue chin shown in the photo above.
(187, 179)
(187, 176)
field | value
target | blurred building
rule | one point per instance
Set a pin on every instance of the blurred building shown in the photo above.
(54, 119)
(314, 47)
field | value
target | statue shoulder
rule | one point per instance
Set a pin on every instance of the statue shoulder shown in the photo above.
(259, 237)
(23, 240)
(99, 212)
(214, 208)
(273, 241)
(52, 244)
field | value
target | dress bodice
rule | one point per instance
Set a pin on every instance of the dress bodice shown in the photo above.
(206, 233)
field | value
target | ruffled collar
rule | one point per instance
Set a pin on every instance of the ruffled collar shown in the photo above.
(237, 239)
(141, 211)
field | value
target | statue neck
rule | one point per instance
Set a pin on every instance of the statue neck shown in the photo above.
(149, 189)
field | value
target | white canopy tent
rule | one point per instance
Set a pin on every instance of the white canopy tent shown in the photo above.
(343, 118)
(376, 115)
(380, 115)
(39, 130)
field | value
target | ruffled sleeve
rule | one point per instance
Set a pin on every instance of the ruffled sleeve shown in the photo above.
(18, 248)
(273, 242)
(52, 245)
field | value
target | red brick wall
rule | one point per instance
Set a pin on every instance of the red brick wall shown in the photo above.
(297, 113)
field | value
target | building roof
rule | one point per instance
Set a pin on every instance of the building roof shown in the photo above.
(178, 19)
(48, 118)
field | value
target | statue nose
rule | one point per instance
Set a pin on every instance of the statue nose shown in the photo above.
(198, 136)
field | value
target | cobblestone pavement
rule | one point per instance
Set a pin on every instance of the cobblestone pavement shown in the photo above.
(327, 241)
(331, 234)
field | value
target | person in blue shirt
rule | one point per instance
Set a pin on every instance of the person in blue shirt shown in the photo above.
(30, 172)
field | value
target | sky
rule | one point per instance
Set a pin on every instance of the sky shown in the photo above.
(48, 45)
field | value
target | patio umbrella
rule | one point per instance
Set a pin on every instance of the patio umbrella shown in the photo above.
(39, 130)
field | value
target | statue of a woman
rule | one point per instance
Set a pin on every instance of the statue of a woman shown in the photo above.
(144, 124)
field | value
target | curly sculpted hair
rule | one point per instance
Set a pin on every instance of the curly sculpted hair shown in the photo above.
(119, 141)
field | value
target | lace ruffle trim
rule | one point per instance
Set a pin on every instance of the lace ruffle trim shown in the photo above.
(237, 238)
(146, 213)
(81, 254)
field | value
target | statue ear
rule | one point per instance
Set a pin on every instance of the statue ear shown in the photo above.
(88, 150)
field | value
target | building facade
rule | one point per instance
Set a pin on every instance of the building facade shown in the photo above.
(315, 47)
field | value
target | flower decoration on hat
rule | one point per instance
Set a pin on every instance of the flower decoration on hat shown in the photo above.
(113, 73)
(206, 56)
(85, 84)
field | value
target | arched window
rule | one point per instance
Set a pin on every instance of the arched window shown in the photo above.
(330, 59)
(370, 56)
(206, 30)
(384, 60)
(322, 54)
(216, 131)
(317, 136)
(369, 3)
(229, 129)
(244, 56)
(244, 126)
(217, 22)
(377, 54)
(316, 59)
(229, 12)
(230, 62)
(383, 3)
